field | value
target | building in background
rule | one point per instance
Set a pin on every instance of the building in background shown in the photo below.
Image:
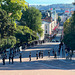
(49, 24)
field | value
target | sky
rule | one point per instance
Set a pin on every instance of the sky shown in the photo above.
(49, 2)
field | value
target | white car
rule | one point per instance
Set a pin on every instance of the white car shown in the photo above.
(53, 40)
(8, 50)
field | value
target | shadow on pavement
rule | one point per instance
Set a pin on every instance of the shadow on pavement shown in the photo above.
(41, 64)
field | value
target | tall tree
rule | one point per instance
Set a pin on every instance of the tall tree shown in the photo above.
(13, 7)
(32, 18)
(69, 32)
(24, 34)
(59, 19)
(6, 30)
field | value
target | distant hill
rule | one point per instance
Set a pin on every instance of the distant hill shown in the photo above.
(47, 7)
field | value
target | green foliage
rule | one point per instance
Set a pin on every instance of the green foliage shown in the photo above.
(24, 34)
(32, 18)
(7, 42)
(69, 32)
(6, 28)
(59, 19)
(6, 31)
(14, 7)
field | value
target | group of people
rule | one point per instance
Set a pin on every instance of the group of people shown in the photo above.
(11, 54)
(69, 54)
(39, 54)
(10, 58)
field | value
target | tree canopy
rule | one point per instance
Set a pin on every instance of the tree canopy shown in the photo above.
(24, 34)
(32, 18)
(7, 29)
(59, 19)
(69, 32)
(13, 7)
(29, 25)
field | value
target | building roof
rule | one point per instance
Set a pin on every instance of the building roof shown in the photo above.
(60, 11)
(45, 22)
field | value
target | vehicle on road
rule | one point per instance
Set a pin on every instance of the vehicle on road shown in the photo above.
(55, 40)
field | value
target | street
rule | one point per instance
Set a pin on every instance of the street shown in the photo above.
(41, 66)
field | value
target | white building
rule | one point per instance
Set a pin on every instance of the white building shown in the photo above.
(43, 36)
(48, 24)
(47, 29)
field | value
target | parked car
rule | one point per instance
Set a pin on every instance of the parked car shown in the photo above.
(57, 41)
(8, 50)
(53, 40)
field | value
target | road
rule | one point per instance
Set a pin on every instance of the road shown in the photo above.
(42, 66)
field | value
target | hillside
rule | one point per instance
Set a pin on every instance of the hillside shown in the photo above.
(46, 7)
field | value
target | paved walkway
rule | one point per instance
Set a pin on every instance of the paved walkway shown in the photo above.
(45, 66)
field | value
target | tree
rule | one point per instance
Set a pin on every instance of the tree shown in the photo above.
(59, 19)
(13, 7)
(7, 29)
(69, 32)
(32, 18)
(24, 34)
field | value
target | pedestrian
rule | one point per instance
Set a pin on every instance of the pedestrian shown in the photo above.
(59, 51)
(42, 54)
(37, 55)
(70, 55)
(53, 51)
(49, 53)
(30, 56)
(12, 58)
(20, 57)
(66, 55)
(5, 56)
(3, 60)
(55, 55)
(59, 46)
(9, 58)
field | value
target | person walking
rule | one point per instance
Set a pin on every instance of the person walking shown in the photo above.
(53, 51)
(70, 55)
(55, 55)
(59, 51)
(49, 53)
(20, 57)
(9, 58)
(5, 56)
(67, 55)
(30, 56)
(12, 58)
(3, 60)
(42, 54)
(37, 55)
